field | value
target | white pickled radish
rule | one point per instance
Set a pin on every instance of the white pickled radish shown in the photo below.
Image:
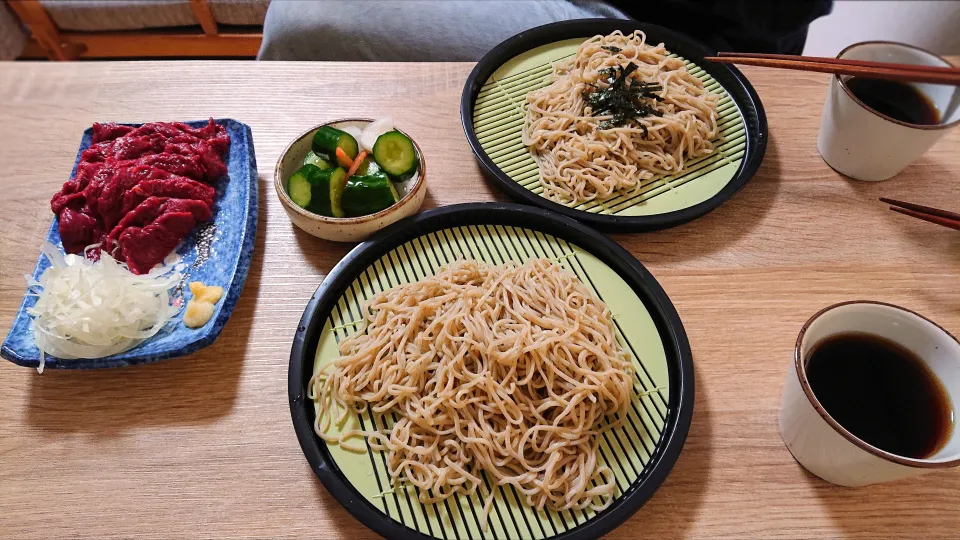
(90, 309)
(352, 130)
(373, 132)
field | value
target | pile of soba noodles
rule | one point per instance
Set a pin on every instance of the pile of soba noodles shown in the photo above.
(510, 370)
(581, 157)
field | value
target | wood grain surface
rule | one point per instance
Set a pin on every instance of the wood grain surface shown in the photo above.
(203, 447)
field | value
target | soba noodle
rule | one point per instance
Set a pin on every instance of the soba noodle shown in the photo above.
(508, 370)
(579, 159)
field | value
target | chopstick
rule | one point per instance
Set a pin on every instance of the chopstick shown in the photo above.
(839, 66)
(926, 213)
(842, 62)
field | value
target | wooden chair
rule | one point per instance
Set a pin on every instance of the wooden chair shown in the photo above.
(50, 42)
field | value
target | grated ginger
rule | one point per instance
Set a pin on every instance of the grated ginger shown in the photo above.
(200, 308)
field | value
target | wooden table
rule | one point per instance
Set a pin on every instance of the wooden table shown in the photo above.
(203, 447)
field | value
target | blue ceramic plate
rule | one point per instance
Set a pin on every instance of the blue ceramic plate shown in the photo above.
(234, 231)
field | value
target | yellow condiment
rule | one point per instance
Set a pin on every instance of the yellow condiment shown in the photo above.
(200, 308)
(206, 293)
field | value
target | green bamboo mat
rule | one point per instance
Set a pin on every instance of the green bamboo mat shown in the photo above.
(626, 450)
(498, 123)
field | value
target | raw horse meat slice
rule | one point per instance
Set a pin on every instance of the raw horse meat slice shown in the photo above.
(126, 147)
(152, 230)
(175, 186)
(190, 166)
(71, 194)
(108, 131)
(78, 230)
(141, 185)
(122, 193)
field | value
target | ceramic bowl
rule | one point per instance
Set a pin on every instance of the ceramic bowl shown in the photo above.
(826, 448)
(350, 229)
(865, 144)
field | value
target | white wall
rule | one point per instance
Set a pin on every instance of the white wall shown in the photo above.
(933, 25)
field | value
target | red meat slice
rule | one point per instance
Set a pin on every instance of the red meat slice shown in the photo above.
(66, 199)
(144, 213)
(109, 131)
(152, 230)
(84, 190)
(190, 166)
(71, 194)
(211, 129)
(175, 186)
(144, 247)
(86, 172)
(139, 190)
(181, 133)
(205, 144)
(91, 194)
(110, 202)
(78, 230)
(151, 208)
(212, 132)
(127, 147)
(209, 157)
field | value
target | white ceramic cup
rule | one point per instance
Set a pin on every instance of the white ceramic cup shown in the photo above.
(822, 445)
(864, 144)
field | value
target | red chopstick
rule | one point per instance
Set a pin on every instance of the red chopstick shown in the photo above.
(838, 66)
(926, 213)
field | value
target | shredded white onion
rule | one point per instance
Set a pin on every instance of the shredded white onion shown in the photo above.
(92, 309)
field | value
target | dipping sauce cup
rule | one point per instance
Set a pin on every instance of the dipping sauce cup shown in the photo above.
(863, 143)
(825, 447)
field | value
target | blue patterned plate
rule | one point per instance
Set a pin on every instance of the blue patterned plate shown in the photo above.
(234, 230)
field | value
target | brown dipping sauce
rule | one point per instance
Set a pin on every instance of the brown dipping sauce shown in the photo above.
(898, 100)
(882, 393)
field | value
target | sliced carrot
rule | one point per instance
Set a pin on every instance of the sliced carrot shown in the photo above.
(357, 162)
(343, 158)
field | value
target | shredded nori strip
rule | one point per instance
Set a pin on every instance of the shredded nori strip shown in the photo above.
(625, 99)
(611, 48)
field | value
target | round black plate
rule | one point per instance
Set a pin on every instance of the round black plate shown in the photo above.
(679, 405)
(729, 77)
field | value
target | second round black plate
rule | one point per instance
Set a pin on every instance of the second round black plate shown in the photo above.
(491, 110)
(640, 453)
